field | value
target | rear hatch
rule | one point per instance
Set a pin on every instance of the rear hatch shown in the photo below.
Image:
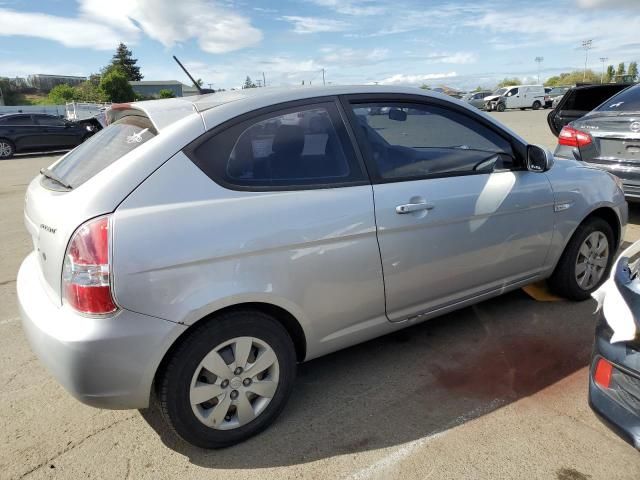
(89, 181)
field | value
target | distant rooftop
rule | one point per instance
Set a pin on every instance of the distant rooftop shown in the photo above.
(155, 83)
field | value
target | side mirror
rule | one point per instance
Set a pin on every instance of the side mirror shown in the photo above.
(397, 115)
(538, 159)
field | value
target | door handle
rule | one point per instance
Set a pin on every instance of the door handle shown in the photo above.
(413, 207)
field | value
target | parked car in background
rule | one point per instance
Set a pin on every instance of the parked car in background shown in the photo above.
(554, 94)
(578, 101)
(24, 132)
(609, 138)
(614, 380)
(477, 99)
(517, 96)
(197, 248)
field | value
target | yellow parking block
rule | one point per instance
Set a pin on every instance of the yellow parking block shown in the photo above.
(540, 291)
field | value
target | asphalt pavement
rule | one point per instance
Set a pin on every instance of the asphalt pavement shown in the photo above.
(497, 390)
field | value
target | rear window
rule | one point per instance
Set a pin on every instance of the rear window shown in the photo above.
(103, 149)
(626, 101)
(19, 120)
(586, 99)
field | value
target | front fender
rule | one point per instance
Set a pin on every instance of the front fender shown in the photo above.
(579, 190)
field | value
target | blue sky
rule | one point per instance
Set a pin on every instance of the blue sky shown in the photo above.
(410, 42)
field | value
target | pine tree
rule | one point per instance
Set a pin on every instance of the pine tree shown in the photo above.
(248, 83)
(123, 60)
(633, 71)
(621, 69)
(611, 72)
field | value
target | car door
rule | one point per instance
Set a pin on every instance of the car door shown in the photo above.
(457, 214)
(513, 98)
(56, 133)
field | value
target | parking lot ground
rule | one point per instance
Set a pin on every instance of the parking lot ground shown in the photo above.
(497, 390)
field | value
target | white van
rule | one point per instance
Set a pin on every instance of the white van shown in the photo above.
(516, 96)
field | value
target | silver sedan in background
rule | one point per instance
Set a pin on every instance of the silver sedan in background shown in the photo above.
(198, 248)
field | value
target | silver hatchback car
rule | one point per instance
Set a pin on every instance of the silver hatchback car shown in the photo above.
(198, 248)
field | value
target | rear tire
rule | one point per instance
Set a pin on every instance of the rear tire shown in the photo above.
(536, 105)
(224, 419)
(7, 149)
(578, 260)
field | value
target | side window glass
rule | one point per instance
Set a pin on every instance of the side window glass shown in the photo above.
(297, 147)
(49, 121)
(416, 141)
(20, 120)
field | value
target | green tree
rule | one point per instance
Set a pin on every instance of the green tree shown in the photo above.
(115, 86)
(200, 82)
(633, 71)
(166, 93)
(621, 70)
(123, 59)
(10, 93)
(61, 94)
(424, 86)
(610, 74)
(89, 92)
(248, 83)
(572, 78)
(506, 82)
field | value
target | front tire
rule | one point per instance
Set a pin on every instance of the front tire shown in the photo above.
(228, 380)
(501, 107)
(586, 261)
(536, 105)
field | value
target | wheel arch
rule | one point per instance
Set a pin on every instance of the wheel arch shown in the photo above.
(606, 213)
(282, 316)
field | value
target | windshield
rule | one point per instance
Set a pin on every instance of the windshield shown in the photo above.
(627, 100)
(558, 91)
(500, 91)
(103, 149)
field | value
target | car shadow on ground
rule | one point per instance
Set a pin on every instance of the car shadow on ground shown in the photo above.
(414, 383)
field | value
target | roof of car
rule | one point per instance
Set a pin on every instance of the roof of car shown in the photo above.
(166, 111)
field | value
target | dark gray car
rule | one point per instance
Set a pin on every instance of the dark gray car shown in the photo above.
(609, 137)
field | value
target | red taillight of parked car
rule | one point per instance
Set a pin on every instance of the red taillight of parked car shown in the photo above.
(602, 373)
(572, 137)
(86, 272)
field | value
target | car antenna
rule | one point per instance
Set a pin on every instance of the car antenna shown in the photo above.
(201, 90)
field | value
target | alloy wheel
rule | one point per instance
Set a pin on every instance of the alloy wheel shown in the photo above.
(234, 383)
(592, 260)
(5, 149)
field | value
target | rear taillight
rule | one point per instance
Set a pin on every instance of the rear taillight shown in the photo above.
(602, 373)
(571, 137)
(86, 272)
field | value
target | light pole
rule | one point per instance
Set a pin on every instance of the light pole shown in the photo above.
(602, 59)
(586, 45)
(539, 61)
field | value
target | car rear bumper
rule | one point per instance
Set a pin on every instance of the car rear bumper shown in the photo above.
(104, 362)
(615, 407)
(630, 177)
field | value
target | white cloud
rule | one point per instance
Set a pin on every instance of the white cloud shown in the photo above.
(305, 25)
(70, 32)
(402, 79)
(352, 57)
(353, 7)
(607, 3)
(102, 24)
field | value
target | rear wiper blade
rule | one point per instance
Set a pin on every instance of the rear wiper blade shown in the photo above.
(47, 172)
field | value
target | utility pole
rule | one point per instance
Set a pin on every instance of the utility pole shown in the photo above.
(603, 59)
(210, 85)
(586, 45)
(539, 60)
(259, 82)
(264, 80)
(323, 77)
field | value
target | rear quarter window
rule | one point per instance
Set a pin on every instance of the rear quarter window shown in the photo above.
(103, 149)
